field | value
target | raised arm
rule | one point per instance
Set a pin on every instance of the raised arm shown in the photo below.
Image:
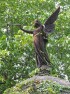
(27, 31)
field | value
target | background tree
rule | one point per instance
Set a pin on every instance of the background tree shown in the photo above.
(16, 48)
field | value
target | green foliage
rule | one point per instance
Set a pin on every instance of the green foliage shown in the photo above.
(34, 72)
(17, 57)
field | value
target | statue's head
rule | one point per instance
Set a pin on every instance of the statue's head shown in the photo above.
(37, 23)
(49, 23)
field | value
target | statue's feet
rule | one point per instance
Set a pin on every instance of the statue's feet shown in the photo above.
(45, 70)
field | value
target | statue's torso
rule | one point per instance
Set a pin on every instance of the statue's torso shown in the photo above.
(38, 38)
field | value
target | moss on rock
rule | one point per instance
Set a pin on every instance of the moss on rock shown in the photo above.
(41, 85)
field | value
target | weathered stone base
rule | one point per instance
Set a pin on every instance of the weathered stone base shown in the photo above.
(41, 85)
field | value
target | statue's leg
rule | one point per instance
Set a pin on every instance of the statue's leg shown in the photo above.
(39, 61)
(47, 58)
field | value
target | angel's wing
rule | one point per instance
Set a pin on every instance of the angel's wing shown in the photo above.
(53, 17)
(49, 24)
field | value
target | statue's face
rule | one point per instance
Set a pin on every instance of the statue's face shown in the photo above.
(37, 24)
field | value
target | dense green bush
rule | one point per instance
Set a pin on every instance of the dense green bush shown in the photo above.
(15, 63)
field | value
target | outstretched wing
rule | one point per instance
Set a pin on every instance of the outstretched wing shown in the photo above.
(53, 17)
(49, 24)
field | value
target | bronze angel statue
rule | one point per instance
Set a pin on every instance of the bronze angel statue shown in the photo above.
(40, 36)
